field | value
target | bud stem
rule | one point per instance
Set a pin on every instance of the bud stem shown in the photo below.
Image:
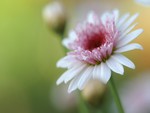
(115, 95)
(82, 105)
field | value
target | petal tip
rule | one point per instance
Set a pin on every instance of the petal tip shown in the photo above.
(121, 71)
(136, 15)
(105, 81)
(133, 67)
(65, 81)
(70, 91)
(141, 48)
(58, 64)
(58, 82)
(141, 30)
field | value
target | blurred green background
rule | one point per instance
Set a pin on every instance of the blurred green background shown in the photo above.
(27, 56)
(29, 52)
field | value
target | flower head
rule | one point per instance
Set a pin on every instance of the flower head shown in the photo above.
(54, 15)
(95, 48)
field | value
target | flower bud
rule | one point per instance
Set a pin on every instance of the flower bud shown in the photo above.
(94, 92)
(54, 16)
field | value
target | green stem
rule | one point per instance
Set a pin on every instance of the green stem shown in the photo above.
(115, 95)
(82, 105)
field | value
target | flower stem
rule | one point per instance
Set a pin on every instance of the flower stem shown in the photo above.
(115, 95)
(82, 105)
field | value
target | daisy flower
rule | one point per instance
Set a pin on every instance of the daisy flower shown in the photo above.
(143, 2)
(96, 48)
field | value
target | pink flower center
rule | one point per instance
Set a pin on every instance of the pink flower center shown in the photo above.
(94, 41)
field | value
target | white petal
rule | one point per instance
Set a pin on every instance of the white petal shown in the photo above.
(67, 62)
(96, 71)
(70, 39)
(63, 62)
(131, 36)
(129, 47)
(115, 66)
(129, 22)
(126, 32)
(123, 60)
(76, 70)
(90, 18)
(62, 77)
(85, 77)
(105, 73)
(72, 35)
(116, 13)
(102, 72)
(73, 84)
(68, 73)
(105, 16)
(65, 42)
(122, 20)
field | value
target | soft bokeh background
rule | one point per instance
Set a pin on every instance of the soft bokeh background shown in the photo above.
(29, 52)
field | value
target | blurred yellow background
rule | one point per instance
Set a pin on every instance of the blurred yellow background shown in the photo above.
(29, 50)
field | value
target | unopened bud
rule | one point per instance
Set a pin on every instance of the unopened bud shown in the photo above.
(54, 16)
(94, 92)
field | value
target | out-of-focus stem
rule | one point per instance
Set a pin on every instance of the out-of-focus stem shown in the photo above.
(115, 95)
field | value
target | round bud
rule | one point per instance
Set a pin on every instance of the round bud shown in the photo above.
(94, 92)
(54, 16)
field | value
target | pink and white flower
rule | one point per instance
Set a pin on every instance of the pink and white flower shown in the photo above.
(143, 2)
(95, 48)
